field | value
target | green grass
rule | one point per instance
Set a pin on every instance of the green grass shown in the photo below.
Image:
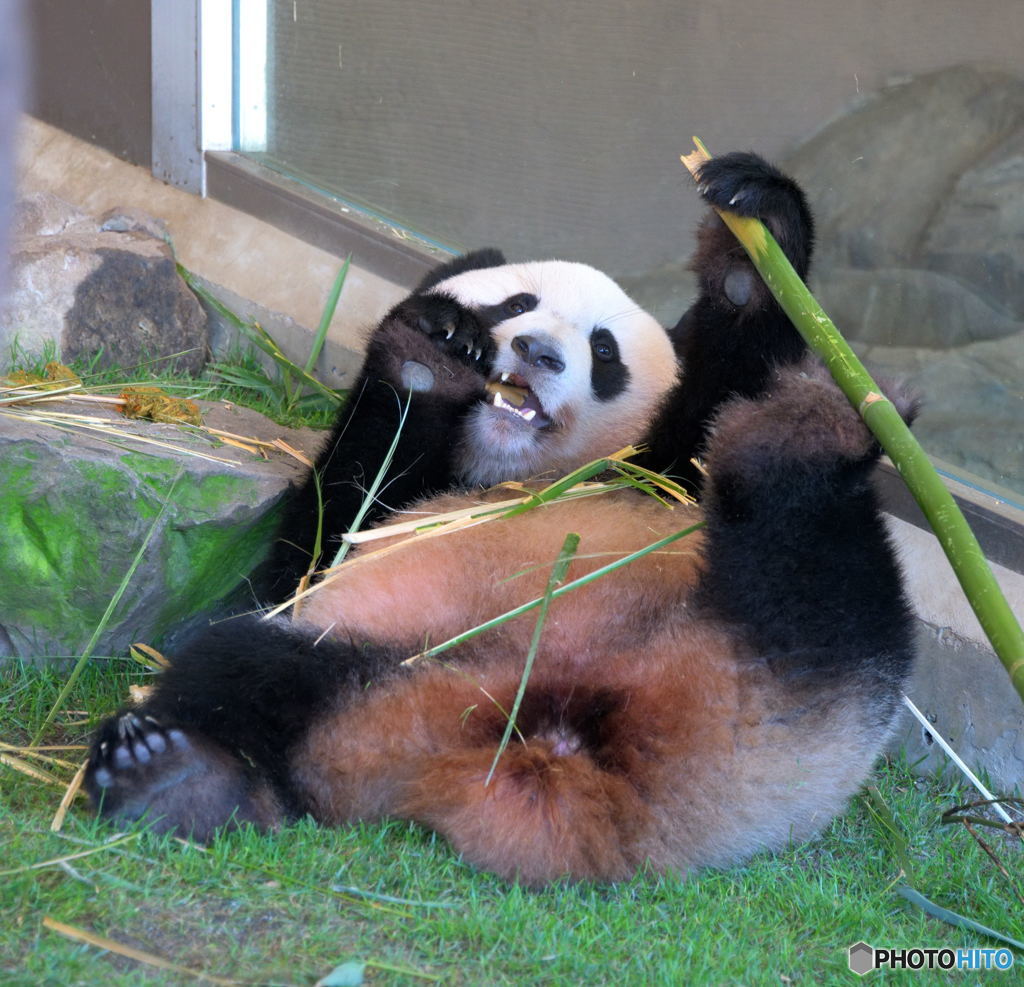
(274, 908)
(240, 377)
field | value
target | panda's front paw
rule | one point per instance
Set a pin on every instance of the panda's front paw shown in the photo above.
(744, 183)
(454, 329)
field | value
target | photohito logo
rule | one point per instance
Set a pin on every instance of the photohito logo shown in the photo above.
(864, 958)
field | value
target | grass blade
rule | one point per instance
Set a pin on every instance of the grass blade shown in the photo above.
(565, 556)
(953, 918)
(328, 316)
(371, 493)
(105, 619)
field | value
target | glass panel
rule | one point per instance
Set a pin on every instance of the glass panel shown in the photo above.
(555, 130)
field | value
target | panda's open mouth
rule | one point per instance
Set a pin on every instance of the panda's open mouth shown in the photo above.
(511, 393)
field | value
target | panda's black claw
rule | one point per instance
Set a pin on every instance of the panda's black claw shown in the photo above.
(454, 329)
(746, 184)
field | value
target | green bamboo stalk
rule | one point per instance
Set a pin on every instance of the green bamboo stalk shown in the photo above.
(950, 527)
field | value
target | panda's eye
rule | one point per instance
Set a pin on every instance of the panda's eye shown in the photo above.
(603, 346)
(518, 304)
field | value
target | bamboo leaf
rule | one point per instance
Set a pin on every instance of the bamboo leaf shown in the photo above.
(953, 918)
(139, 955)
(328, 315)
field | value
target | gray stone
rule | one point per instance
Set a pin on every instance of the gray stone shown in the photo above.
(916, 307)
(919, 197)
(964, 692)
(878, 175)
(973, 410)
(46, 214)
(978, 232)
(90, 290)
(76, 506)
(128, 219)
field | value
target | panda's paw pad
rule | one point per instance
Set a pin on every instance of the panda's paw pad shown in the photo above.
(450, 326)
(131, 749)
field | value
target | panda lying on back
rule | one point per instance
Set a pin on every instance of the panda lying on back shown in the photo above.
(714, 699)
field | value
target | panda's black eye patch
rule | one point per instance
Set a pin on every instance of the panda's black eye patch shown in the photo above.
(609, 376)
(518, 304)
(508, 309)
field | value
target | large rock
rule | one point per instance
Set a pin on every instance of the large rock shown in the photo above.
(109, 286)
(973, 411)
(881, 174)
(76, 506)
(978, 234)
(919, 197)
(910, 307)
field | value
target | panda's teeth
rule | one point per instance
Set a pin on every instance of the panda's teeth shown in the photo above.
(505, 377)
(499, 402)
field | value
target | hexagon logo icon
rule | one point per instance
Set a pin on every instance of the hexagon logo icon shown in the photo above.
(861, 958)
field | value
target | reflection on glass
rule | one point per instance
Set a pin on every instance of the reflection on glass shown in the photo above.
(555, 130)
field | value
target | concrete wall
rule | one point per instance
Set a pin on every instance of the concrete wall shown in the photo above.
(91, 71)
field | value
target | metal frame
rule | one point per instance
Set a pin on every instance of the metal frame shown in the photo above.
(176, 135)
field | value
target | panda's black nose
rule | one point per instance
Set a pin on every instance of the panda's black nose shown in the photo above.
(538, 352)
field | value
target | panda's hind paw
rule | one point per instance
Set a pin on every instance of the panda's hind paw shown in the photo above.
(140, 767)
(133, 752)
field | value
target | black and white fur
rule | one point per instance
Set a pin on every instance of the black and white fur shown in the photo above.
(696, 706)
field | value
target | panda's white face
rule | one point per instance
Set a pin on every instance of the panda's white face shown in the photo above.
(579, 369)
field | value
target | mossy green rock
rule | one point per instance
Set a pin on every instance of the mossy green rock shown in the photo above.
(76, 506)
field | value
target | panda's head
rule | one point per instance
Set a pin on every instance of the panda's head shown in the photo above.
(578, 371)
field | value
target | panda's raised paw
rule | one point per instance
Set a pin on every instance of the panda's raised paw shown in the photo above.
(744, 183)
(450, 326)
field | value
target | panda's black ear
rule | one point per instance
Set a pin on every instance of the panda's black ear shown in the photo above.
(473, 261)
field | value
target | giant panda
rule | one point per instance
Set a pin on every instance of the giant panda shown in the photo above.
(719, 697)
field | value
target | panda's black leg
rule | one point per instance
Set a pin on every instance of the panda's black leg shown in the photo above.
(796, 550)
(210, 745)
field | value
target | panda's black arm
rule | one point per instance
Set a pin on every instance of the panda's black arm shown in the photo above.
(427, 360)
(732, 336)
